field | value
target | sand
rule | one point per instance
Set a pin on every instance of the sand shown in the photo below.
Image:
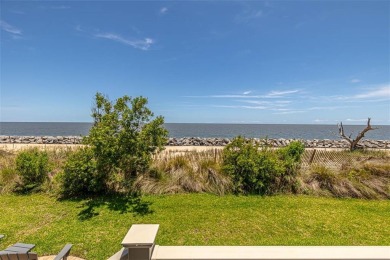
(51, 257)
(18, 147)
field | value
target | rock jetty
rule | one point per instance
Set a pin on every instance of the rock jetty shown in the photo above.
(197, 141)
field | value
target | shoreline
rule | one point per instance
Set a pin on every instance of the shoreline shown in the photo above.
(16, 142)
(167, 149)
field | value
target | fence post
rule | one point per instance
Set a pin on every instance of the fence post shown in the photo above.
(312, 156)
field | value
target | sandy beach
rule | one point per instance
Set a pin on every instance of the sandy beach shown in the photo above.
(18, 147)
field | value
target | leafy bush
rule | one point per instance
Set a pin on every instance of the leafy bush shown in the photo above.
(33, 167)
(251, 169)
(123, 137)
(258, 170)
(80, 174)
(290, 157)
(292, 152)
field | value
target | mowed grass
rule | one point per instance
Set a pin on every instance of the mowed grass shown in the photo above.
(96, 227)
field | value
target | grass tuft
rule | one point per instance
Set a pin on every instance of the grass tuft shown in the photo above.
(183, 173)
(359, 174)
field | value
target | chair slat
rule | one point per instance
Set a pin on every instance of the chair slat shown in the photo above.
(64, 253)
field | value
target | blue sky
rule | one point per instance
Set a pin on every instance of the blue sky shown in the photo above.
(314, 62)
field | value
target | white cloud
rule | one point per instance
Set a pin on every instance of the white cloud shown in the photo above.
(17, 12)
(373, 94)
(9, 28)
(55, 7)
(248, 15)
(256, 102)
(242, 107)
(163, 10)
(380, 92)
(356, 120)
(247, 92)
(355, 80)
(320, 120)
(290, 112)
(327, 107)
(276, 103)
(79, 28)
(225, 96)
(143, 44)
(59, 7)
(282, 93)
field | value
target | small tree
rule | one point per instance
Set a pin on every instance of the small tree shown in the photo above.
(354, 142)
(123, 137)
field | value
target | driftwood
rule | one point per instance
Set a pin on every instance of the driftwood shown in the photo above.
(354, 142)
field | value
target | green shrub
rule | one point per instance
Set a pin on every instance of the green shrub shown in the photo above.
(80, 175)
(292, 152)
(124, 138)
(258, 170)
(251, 169)
(290, 157)
(33, 168)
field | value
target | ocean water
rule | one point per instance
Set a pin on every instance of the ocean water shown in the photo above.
(298, 131)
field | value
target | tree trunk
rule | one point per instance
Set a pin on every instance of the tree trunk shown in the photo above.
(354, 142)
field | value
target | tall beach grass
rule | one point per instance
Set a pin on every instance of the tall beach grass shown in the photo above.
(361, 174)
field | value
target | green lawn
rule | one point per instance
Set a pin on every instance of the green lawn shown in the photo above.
(97, 227)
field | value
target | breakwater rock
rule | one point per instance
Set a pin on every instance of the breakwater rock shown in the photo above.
(197, 141)
(4, 139)
(281, 142)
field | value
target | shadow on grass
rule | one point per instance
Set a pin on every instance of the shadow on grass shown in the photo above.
(91, 206)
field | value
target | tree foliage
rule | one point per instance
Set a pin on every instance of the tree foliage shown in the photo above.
(121, 141)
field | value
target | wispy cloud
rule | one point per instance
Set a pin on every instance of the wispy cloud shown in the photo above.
(322, 121)
(328, 107)
(355, 80)
(282, 93)
(242, 107)
(279, 103)
(10, 28)
(273, 94)
(59, 7)
(79, 28)
(290, 112)
(55, 7)
(142, 44)
(372, 94)
(17, 12)
(275, 101)
(379, 92)
(249, 15)
(163, 10)
(356, 120)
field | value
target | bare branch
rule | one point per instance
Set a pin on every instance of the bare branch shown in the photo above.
(354, 142)
(365, 130)
(341, 132)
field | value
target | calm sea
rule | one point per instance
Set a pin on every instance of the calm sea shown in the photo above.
(204, 130)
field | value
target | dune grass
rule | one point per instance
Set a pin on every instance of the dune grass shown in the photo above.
(361, 174)
(97, 226)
